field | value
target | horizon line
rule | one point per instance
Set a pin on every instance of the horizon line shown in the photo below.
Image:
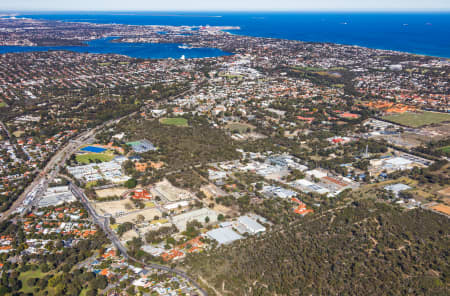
(231, 10)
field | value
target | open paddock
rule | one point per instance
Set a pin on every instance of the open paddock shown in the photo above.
(154, 225)
(114, 208)
(129, 235)
(418, 119)
(116, 191)
(435, 132)
(148, 214)
(169, 192)
(239, 127)
(445, 192)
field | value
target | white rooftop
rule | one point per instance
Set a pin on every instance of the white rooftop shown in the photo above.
(224, 235)
(398, 161)
(251, 225)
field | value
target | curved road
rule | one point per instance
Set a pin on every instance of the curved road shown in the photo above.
(103, 222)
(51, 170)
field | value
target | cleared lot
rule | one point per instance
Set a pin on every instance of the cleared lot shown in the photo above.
(117, 191)
(148, 214)
(114, 208)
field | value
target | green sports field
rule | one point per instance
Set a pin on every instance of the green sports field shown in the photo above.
(177, 121)
(419, 119)
(92, 157)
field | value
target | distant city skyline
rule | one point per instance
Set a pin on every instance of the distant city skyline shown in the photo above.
(229, 5)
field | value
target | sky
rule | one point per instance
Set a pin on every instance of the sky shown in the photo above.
(225, 5)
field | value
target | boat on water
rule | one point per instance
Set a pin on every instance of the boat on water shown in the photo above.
(185, 47)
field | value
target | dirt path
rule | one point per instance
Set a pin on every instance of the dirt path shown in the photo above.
(209, 286)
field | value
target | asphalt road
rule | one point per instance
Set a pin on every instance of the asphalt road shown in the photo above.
(47, 174)
(6, 130)
(103, 222)
(51, 169)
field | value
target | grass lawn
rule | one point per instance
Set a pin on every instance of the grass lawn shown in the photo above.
(338, 85)
(27, 275)
(338, 69)
(91, 184)
(418, 119)
(445, 149)
(162, 221)
(92, 157)
(404, 180)
(233, 76)
(177, 121)
(2, 104)
(310, 69)
(150, 204)
(421, 193)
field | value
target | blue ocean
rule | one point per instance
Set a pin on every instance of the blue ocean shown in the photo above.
(419, 33)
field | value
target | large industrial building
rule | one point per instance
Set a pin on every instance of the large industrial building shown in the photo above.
(224, 235)
(56, 196)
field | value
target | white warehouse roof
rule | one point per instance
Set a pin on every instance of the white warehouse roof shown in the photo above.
(224, 235)
(398, 161)
(251, 225)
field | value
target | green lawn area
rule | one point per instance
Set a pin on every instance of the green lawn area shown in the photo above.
(92, 157)
(2, 104)
(162, 221)
(27, 275)
(404, 180)
(338, 69)
(177, 121)
(91, 184)
(445, 149)
(150, 204)
(310, 69)
(338, 85)
(418, 119)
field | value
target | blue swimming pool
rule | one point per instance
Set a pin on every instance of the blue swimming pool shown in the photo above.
(93, 149)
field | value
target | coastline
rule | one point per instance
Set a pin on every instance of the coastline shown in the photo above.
(345, 44)
(107, 45)
(242, 31)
